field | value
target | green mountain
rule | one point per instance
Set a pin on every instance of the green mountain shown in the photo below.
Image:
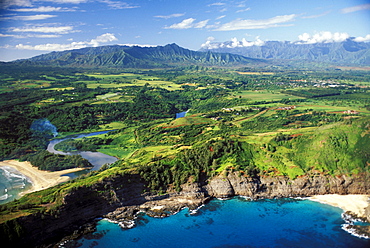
(134, 57)
(346, 52)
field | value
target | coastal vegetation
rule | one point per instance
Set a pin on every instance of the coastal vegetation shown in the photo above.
(278, 123)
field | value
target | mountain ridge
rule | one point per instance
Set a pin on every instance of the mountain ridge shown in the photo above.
(134, 56)
(346, 52)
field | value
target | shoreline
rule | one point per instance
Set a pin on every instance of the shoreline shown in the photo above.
(353, 203)
(40, 179)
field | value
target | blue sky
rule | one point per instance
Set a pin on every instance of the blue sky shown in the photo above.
(33, 27)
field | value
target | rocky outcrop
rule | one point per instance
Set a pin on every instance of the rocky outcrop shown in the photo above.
(121, 198)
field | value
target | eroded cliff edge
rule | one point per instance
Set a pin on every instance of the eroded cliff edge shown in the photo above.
(122, 196)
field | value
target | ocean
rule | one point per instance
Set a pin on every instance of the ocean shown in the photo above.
(12, 183)
(233, 223)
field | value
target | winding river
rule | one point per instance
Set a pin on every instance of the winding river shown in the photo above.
(97, 159)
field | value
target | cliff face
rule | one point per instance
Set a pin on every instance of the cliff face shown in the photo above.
(123, 196)
(271, 187)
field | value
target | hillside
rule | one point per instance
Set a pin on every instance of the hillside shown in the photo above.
(136, 57)
(347, 52)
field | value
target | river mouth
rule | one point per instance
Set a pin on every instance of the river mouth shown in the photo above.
(97, 159)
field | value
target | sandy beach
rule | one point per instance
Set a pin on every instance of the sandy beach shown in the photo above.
(40, 179)
(353, 203)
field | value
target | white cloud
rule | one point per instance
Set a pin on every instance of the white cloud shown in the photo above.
(6, 35)
(44, 29)
(67, 1)
(104, 38)
(322, 37)
(217, 4)
(234, 43)
(363, 39)
(45, 9)
(108, 37)
(243, 10)
(138, 45)
(220, 17)
(239, 24)
(22, 3)
(29, 18)
(316, 16)
(188, 23)
(201, 24)
(118, 4)
(185, 24)
(169, 16)
(356, 8)
(30, 36)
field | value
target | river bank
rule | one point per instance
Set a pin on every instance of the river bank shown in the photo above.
(40, 179)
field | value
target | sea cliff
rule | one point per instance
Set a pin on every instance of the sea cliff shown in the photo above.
(119, 198)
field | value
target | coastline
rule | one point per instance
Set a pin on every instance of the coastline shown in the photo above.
(353, 203)
(40, 179)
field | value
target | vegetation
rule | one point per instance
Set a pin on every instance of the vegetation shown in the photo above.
(257, 124)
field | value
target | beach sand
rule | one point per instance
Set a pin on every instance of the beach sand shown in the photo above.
(40, 179)
(353, 203)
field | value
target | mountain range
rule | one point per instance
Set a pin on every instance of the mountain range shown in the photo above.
(345, 52)
(117, 56)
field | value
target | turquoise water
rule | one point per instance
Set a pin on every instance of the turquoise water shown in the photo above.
(234, 223)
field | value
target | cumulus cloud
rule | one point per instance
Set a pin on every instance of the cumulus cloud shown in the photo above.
(188, 23)
(170, 16)
(104, 38)
(29, 18)
(356, 8)
(234, 43)
(322, 37)
(363, 39)
(108, 37)
(44, 29)
(45, 9)
(239, 24)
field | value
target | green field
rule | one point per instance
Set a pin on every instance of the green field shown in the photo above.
(264, 95)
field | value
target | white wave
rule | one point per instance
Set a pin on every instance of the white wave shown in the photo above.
(351, 230)
(125, 224)
(194, 211)
(246, 197)
(4, 197)
(349, 226)
(13, 175)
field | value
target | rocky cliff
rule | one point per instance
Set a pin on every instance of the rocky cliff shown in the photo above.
(121, 197)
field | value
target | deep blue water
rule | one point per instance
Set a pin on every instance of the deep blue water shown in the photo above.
(234, 223)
